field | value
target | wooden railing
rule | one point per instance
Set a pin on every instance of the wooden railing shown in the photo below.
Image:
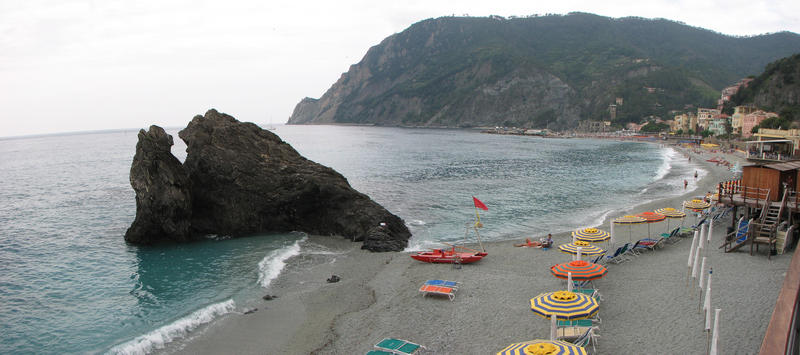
(781, 335)
(734, 188)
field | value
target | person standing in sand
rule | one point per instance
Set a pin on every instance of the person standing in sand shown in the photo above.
(695, 174)
(685, 183)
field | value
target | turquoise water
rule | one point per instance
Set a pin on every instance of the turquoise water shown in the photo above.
(69, 283)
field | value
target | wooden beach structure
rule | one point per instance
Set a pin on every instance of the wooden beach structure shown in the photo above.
(767, 192)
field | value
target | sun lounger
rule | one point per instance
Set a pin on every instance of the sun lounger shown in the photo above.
(443, 283)
(619, 256)
(589, 337)
(396, 346)
(438, 290)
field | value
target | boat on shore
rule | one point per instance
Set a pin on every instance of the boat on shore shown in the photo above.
(449, 255)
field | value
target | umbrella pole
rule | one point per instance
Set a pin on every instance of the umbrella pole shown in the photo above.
(708, 340)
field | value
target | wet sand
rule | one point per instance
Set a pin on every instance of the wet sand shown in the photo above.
(648, 306)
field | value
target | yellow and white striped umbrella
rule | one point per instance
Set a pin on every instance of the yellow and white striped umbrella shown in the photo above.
(592, 235)
(545, 347)
(565, 305)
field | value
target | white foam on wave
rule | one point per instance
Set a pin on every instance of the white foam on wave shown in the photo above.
(273, 263)
(668, 157)
(158, 338)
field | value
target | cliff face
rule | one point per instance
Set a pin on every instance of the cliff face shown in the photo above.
(246, 180)
(537, 72)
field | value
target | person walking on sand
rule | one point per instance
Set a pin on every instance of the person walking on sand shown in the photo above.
(685, 183)
(695, 174)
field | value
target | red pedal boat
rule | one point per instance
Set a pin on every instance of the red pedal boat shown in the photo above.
(449, 256)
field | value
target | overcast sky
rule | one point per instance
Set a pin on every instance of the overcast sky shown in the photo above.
(68, 65)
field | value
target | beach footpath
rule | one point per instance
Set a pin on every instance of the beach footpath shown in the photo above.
(648, 306)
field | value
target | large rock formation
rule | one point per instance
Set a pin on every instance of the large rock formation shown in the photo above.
(246, 180)
(163, 191)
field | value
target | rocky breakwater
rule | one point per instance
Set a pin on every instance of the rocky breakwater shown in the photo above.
(245, 180)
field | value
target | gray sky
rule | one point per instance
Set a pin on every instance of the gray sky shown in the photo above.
(68, 65)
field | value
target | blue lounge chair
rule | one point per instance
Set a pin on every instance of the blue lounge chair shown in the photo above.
(395, 346)
(443, 283)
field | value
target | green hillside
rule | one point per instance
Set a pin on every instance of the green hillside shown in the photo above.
(548, 71)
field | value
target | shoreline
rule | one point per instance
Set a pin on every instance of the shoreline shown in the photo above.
(377, 297)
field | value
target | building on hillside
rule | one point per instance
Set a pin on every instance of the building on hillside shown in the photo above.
(717, 125)
(753, 119)
(618, 101)
(738, 116)
(612, 110)
(704, 117)
(684, 122)
(588, 126)
(726, 93)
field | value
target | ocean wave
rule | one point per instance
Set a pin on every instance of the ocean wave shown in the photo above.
(273, 263)
(668, 157)
(158, 338)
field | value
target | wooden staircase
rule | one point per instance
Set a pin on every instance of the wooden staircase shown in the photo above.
(765, 232)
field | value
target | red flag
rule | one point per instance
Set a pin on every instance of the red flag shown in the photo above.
(479, 204)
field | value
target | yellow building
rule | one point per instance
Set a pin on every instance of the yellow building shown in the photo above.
(738, 117)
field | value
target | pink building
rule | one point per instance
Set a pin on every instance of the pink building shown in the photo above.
(751, 120)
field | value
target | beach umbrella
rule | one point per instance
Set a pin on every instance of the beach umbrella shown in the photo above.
(671, 213)
(565, 305)
(586, 248)
(629, 220)
(591, 235)
(696, 205)
(545, 347)
(581, 270)
(651, 217)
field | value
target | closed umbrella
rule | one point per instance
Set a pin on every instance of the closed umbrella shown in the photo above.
(586, 248)
(629, 220)
(581, 270)
(591, 235)
(545, 347)
(565, 305)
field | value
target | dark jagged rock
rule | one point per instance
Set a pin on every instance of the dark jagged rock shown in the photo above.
(247, 180)
(162, 186)
(333, 279)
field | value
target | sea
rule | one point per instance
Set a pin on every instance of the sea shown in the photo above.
(70, 284)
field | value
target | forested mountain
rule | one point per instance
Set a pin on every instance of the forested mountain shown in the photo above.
(548, 71)
(777, 89)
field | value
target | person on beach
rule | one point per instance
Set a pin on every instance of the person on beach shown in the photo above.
(541, 243)
(529, 244)
(685, 183)
(549, 242)
(695, 174)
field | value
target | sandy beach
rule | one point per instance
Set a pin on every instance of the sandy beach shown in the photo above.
(648, 306)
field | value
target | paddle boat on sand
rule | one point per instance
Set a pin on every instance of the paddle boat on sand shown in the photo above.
(449, 255)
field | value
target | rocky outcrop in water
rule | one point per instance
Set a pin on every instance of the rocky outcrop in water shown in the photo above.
(245, 180)
(163, 191)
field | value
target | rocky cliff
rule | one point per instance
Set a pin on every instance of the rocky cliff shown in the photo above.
(244, 180)
(548, 71)
(163, 191)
